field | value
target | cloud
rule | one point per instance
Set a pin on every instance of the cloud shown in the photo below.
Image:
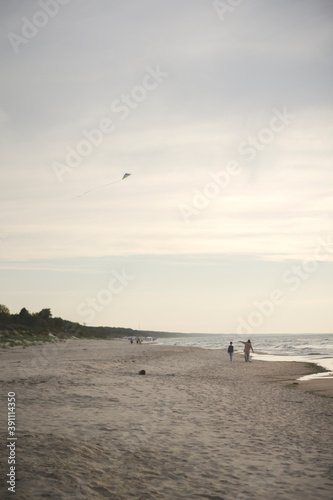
(224, 81)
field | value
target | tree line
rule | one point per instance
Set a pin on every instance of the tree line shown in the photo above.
(43, 322)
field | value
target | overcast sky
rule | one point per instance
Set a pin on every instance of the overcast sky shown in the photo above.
(222, 114)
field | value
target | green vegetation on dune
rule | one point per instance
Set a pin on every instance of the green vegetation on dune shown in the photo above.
(27, 328)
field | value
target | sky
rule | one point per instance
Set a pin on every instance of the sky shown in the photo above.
(221, 111)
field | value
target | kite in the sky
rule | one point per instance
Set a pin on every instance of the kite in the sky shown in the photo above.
(103, 185)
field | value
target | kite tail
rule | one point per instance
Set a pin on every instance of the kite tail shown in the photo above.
(94, 189)
(103, 185)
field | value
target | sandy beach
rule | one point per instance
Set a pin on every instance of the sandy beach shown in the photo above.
(196, 426)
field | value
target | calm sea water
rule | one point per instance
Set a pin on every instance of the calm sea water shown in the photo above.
(310, 348)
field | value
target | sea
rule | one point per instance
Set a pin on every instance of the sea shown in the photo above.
(314, 348)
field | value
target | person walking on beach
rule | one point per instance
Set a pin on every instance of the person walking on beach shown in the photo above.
(247, 347)
(230, 350)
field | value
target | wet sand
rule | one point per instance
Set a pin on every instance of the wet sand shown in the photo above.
(196, 426)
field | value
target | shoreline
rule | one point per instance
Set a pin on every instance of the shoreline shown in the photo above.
(266, 351)
(323, 364)
(194, 426)
(321, 386)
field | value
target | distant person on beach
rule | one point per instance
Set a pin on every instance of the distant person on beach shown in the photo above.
(247, 347)
(230, 350)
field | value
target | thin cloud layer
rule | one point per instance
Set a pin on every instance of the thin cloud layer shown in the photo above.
(224, 124)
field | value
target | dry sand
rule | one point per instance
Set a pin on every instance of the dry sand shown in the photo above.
(196, 426)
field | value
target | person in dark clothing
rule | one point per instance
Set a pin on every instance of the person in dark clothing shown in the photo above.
(231, 350)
